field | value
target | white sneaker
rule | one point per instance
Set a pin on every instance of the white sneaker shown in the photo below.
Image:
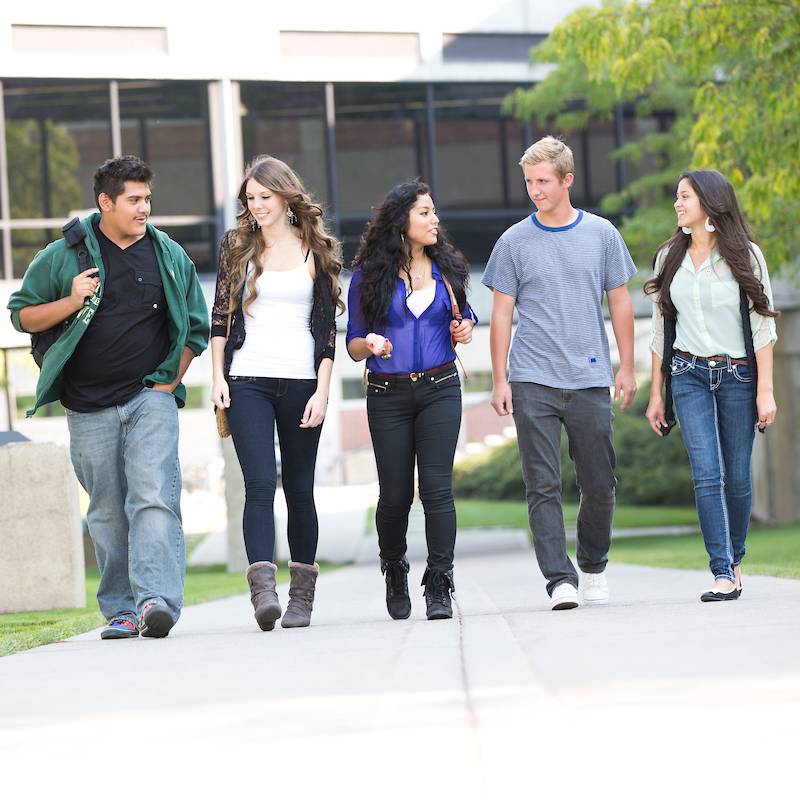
(564, 596)
(594, 588)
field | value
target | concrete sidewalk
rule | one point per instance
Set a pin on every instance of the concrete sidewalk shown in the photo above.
(649, 696)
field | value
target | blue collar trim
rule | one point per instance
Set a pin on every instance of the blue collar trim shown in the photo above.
(562, 228)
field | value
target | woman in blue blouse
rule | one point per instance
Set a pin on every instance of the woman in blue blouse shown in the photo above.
(402, 320)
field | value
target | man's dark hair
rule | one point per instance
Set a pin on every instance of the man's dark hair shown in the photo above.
(111, 175)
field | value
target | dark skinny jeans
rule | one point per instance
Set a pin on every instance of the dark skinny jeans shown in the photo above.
(416, 421)
(257, 406)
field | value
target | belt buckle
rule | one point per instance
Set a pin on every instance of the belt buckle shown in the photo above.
(415, 376)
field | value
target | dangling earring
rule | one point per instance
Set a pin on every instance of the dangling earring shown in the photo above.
(254, 226)
(686, 230)
(708, 226)
(290, 216)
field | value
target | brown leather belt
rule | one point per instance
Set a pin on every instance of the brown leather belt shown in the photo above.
(411, 376)
(716, 359)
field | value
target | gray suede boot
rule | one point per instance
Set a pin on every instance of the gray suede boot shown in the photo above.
(261, 577)
(301, 595)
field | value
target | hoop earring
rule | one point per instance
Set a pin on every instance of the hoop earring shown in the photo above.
(291, 216)
(708, 226)
(687, 231)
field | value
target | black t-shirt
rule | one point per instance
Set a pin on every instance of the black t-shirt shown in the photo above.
(128, 336)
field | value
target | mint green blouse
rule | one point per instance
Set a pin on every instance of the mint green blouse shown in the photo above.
(707, 300)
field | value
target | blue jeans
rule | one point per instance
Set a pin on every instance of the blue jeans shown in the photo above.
(714, 406)
(126, 458)
(258, 406)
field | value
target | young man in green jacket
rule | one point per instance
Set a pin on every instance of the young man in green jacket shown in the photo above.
(138, 318)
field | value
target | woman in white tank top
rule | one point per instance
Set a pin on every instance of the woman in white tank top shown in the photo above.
(272, 344)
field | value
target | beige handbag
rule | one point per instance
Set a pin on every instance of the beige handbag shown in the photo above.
(220, 413)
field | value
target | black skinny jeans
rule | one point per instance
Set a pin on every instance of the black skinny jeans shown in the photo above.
(257, 405)
(416, 420)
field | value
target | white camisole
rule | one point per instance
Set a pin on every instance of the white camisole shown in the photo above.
(278, 341)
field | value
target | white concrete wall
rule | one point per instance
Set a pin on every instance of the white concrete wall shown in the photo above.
(243, 42)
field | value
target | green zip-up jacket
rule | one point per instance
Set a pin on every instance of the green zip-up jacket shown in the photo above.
(49, 278)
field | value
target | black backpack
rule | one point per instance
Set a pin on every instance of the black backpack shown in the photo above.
(41, 342)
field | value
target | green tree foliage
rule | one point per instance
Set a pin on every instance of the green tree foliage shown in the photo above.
(650, 470)
(729, 71)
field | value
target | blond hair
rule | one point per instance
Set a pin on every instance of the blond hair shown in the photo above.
(553, 150)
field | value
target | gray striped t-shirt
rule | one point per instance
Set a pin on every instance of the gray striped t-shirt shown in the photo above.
(558, 277)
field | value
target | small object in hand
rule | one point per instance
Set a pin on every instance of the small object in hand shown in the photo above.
(386, 356)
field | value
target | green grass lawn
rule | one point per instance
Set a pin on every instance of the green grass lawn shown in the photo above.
(30, 629)
(770, 551)
(514, 514)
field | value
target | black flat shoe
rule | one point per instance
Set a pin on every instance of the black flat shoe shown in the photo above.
(714, 597)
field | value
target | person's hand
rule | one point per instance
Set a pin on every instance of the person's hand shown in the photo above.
(220, 394)
(167, 388)
(315, 410)
(501, 399)
(766, 408)
(83, 285)
(655, 414)
(462, 331)
(378, 345)
(625, 386)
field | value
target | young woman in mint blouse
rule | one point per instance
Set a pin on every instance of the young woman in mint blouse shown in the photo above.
(713, 310)
(401, 320)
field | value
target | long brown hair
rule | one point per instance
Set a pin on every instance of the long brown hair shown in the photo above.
(249, 246)
(734, 242)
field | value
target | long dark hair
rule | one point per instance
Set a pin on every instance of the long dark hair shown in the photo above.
(384, 253)
(734, 242)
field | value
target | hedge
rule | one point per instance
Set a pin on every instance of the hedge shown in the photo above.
(650, 470)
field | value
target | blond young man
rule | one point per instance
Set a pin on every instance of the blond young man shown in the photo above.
(554, 267)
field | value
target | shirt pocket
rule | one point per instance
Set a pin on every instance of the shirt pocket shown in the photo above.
(725, 294)
(149, 292)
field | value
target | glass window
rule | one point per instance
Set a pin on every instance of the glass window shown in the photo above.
(350, 231)
(636, 128)
(475, 234)
(25, 244)
(198, 242)
(602, 168)
(380, 141)
(287, 120)
(166, 124)
(477, 148)
(57, 133)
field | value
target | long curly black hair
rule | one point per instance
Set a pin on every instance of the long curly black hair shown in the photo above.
(734, 241)
(384, 253)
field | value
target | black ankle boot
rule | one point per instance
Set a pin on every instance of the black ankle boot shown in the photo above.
(438, 586)
(398, 603)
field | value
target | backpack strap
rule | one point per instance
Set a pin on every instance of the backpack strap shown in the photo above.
(75, 237)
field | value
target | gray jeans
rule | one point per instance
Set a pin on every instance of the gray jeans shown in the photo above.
(539, 412)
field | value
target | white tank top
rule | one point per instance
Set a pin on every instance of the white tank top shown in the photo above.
(278, 341)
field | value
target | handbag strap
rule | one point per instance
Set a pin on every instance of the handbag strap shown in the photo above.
(455, 311)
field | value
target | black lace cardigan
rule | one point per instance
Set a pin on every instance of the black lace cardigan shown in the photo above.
(323, 310)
